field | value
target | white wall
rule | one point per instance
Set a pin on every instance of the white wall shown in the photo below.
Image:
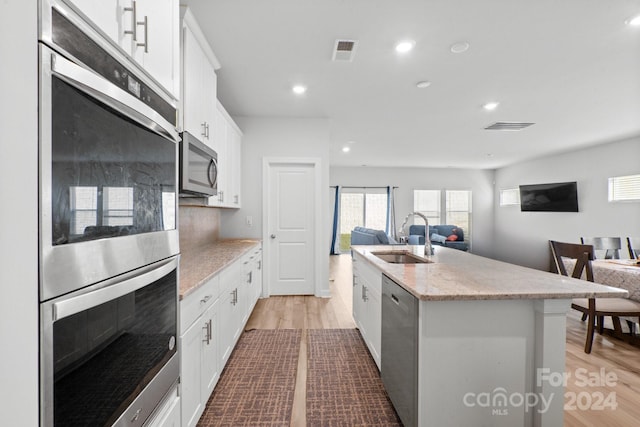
(480, 182)
(277, 137)
(522, 237)
(18, 216)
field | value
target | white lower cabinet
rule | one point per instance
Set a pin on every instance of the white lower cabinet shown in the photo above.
(199, 362)
(169, 413)
(367, 308)
(212, 319)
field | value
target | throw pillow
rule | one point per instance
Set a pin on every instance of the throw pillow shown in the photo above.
(452, 238)
(435, 237)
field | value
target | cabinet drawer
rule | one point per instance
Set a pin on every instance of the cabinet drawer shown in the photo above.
(194, 304)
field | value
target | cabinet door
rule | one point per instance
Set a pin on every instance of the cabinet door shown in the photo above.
(234, 141)
(106, 15)
(192, 96)
(227, 327)
(190, 373)
(219, 144)
(358, 303)
(157, 44)
(210, 372)
(374, 324)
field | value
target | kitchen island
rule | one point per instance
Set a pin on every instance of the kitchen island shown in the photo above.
(490, 335)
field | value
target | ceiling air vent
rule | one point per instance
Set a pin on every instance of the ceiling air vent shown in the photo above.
(344, 50)
(508, 126)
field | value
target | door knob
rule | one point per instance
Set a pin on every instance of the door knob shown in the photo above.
(273, 236)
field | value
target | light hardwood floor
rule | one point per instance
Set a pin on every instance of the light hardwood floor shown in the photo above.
(611, 358)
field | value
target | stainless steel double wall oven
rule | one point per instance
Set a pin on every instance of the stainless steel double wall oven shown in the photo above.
(108, 237)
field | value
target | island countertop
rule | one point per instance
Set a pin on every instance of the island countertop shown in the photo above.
(200, 264)
(457, 275)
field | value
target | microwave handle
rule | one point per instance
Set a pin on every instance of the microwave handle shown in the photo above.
(212, 172)
(111, 95)
(114, 288)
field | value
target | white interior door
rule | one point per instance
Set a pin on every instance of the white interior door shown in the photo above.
(291, 207)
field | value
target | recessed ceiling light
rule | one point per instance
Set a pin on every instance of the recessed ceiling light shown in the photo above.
(635, 21)
(423, 84)
(459, 47)
(346, 149)
(490, 106)
(299, 89)
(405, 46)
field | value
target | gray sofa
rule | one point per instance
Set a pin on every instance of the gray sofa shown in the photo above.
(369, 236)
(416, 236)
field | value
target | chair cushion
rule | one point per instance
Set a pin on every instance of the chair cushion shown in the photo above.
(619, 306)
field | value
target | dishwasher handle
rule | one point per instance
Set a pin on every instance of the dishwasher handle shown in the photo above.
(395, 299)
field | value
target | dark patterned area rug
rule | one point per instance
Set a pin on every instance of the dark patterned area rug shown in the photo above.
(257, 385)
(344, 387)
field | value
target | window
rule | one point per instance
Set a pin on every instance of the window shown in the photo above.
(117, 206)
(452, 205)
(510, 197)
(624, 188)
(427, 202)
(361, 208)
(84, 208)
(458, 207)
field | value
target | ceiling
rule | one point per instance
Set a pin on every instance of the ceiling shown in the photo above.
(572, 67)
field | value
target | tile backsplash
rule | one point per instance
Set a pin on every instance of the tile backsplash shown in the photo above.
(198, 226)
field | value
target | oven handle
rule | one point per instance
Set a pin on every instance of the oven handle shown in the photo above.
(114, 288)
(110, 94)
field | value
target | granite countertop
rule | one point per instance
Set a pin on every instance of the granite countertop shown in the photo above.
(200, 264)
(458, 275)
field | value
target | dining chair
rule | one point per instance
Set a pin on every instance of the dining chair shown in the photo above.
(633, 244)
(611, 245)
(591, 309)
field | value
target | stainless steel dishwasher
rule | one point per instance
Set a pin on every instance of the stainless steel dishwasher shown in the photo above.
(399, 368)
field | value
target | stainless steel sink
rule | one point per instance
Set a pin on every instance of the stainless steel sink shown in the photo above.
(400, 257)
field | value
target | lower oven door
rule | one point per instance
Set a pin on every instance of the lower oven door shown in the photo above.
(108, 352)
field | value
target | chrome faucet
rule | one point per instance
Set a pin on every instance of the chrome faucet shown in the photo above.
(428, 248)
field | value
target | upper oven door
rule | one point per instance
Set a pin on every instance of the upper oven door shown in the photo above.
(108, 179)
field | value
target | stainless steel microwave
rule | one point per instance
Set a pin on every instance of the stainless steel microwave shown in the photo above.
(198, 167)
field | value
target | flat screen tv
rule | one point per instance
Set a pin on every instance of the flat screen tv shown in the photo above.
(556, 197)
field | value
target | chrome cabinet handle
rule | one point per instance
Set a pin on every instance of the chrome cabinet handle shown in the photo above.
(273, 236)
(145, 22)
(204, 129)
(205, 299)
(365, 298)
(134, 20)
(207, 332)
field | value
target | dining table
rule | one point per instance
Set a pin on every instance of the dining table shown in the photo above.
(620, 273)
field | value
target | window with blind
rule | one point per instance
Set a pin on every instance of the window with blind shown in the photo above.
(427, 202)
(452, 205)
(510, 197)
(624, 188)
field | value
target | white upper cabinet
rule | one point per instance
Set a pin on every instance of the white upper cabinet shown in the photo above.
(146, 30)
(157, 43)
(199, 82)
(204, 116)
(227, 140)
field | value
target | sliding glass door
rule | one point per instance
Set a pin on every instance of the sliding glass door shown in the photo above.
(361, 208)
